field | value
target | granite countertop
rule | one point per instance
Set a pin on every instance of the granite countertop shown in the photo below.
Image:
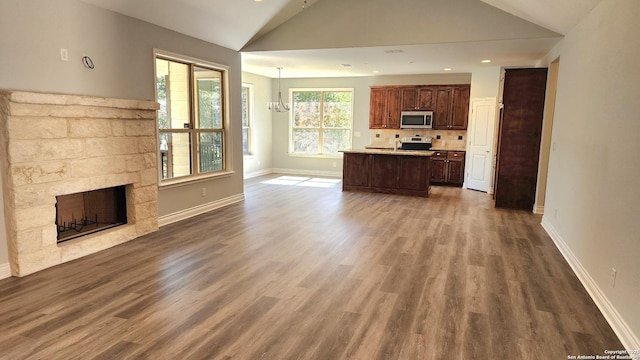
(446, 148)
(389, 151)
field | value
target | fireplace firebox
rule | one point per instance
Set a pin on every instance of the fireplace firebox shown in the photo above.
(87, 212)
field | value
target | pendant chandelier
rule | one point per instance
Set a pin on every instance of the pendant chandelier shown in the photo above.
(279, 106)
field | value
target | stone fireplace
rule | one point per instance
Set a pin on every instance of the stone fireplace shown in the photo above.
(58, 146)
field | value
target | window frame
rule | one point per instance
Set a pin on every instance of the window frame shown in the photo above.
(193, 131)
(250, 149)
(320, 132)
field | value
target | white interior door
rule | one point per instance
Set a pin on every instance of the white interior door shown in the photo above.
(481, 135)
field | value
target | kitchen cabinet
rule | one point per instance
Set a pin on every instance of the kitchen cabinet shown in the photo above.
(450, 104)
(386, 173)
(447, 167)
(355, 170)
(413, 173)
(452, 107)
(384, 110)
(417, 98)
(383, 171)
(438, 167)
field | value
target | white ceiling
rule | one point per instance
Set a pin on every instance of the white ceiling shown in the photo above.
(463, 32)
(228, 23)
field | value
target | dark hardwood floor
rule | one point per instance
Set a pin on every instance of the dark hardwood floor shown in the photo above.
(300, 272)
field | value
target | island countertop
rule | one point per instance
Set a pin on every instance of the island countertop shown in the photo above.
(389, 152)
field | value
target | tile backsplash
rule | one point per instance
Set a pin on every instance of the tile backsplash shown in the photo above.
(449, 139)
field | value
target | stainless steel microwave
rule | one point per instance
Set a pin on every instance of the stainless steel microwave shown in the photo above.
(416, 119)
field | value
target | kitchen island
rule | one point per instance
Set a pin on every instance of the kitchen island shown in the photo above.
(402, 172)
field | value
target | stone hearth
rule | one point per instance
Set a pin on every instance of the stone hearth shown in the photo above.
(64, 144)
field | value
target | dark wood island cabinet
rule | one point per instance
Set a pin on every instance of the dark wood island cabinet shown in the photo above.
(391, 172)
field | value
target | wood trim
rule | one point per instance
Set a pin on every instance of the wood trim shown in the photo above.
(258, 173)
(200, 209)
(615, 320)
(306, 172)
(262, 172)
(538, 209)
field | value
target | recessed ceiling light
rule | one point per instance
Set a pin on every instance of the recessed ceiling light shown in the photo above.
(447, 69)
(486, 61)
(375, 71)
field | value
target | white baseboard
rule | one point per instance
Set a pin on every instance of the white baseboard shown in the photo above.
(200, 209)
(307, 172)
(617, 323)
(258, 173)
(538, 210)
(5, 271)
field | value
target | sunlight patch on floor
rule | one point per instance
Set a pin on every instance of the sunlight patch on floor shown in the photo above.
(303, 181)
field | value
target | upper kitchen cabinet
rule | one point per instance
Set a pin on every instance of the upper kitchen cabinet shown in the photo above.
(452, 107)
(384, 111)
(417, 98)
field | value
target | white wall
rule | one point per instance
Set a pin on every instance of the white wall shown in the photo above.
(592, 207)
(260, 159)
(281, 158)
(485, 82)
(361, 23)
(122, 49)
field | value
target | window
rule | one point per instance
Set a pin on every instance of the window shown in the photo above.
(247, 114)
(191, 118)
(321, 121)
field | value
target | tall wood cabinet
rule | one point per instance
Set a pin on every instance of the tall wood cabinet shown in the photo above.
(519, 138)
(384, 111)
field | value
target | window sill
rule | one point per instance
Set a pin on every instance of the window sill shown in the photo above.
(317, 156)
(177, 182)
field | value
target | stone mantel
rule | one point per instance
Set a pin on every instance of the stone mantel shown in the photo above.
(58, 144)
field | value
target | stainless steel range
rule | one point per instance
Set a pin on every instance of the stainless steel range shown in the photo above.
(415, 143)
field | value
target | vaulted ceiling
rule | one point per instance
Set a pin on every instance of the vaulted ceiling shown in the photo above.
(367, 37)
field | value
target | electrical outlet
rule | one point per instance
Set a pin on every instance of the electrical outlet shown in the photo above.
(64, 54)
(203, 192)
(613, 277)
(397, 136)
(335, 164)
(356, 134)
